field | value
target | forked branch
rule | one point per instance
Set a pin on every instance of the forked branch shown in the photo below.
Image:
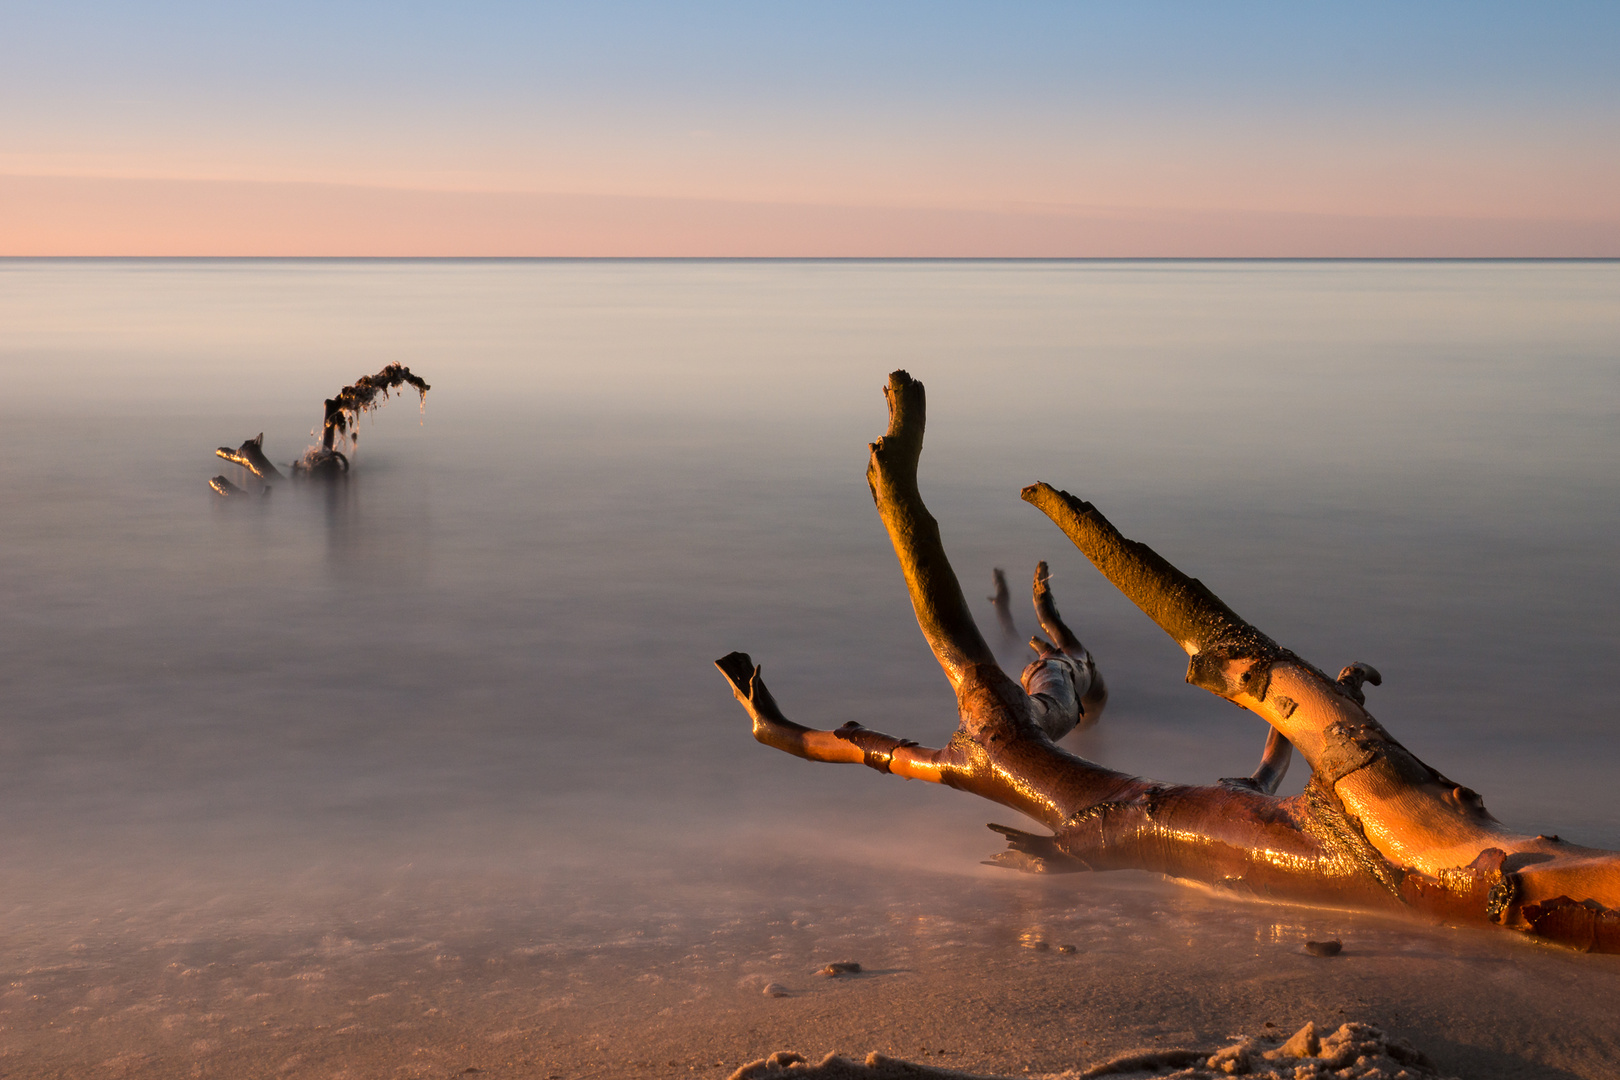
(1375, 826)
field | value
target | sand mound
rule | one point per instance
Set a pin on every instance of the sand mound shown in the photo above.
(1353, 1052)
(786, 1065)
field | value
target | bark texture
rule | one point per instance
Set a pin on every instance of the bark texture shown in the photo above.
(1375, 827)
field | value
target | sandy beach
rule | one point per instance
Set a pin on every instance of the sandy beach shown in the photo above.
(983, 971)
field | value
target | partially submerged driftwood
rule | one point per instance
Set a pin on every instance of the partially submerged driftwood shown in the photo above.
(226, 490)
(342, 414)
(1374, 828)
(250, 455)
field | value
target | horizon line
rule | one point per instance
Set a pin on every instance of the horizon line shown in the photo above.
(832, 258)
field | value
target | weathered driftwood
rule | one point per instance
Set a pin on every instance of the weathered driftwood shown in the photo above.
(1375, 827)
(342, 412)
(1001, 600)
(227, 490)
(250, 455)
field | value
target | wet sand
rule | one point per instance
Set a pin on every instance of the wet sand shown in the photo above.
(430, 975)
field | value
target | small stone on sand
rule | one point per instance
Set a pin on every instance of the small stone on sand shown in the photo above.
(1324, 948)
(1067, 949)
(775, 990)
(846, 967)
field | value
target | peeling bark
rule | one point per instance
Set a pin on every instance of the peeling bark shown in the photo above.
(1375, 827)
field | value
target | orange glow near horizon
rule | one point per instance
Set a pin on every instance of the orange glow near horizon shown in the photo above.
(81, 216)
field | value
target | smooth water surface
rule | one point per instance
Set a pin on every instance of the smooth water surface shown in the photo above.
(488, 657)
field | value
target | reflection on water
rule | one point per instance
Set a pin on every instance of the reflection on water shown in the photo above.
(491, 648)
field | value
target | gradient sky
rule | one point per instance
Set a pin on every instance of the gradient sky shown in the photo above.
(860, 129)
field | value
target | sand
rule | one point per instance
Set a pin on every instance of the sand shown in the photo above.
(663, 974)
(1353, 1051)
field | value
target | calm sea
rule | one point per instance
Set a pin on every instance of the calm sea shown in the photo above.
(490, 652)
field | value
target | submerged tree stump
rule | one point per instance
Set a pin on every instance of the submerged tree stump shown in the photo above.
(343, 411)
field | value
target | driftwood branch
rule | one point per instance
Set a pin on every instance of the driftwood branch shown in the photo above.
(1375, 827)
(936, 596)
(1001, 599)
(342, 413)
(250, 455)
(344, 410)
(227, 490)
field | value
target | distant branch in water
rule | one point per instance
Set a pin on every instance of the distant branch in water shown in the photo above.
(1001, 599)
(250, 455)
(342, 416)
(343, 411)
(228, 490)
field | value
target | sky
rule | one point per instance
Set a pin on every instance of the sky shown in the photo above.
(810, 129)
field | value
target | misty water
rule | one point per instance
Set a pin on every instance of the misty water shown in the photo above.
(468, 696)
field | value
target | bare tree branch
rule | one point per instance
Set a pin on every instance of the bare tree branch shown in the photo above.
(1093, 692)
(250, 455)
(342, 414)
(936, 596)
(1433, 834)
(1375, 827)
(344, 410)
(1001, 600)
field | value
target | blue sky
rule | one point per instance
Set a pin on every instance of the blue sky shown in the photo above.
(1480, 111)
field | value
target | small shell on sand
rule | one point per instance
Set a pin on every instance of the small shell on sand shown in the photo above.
(775, 990)
(845, 967)
(1331, 947)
